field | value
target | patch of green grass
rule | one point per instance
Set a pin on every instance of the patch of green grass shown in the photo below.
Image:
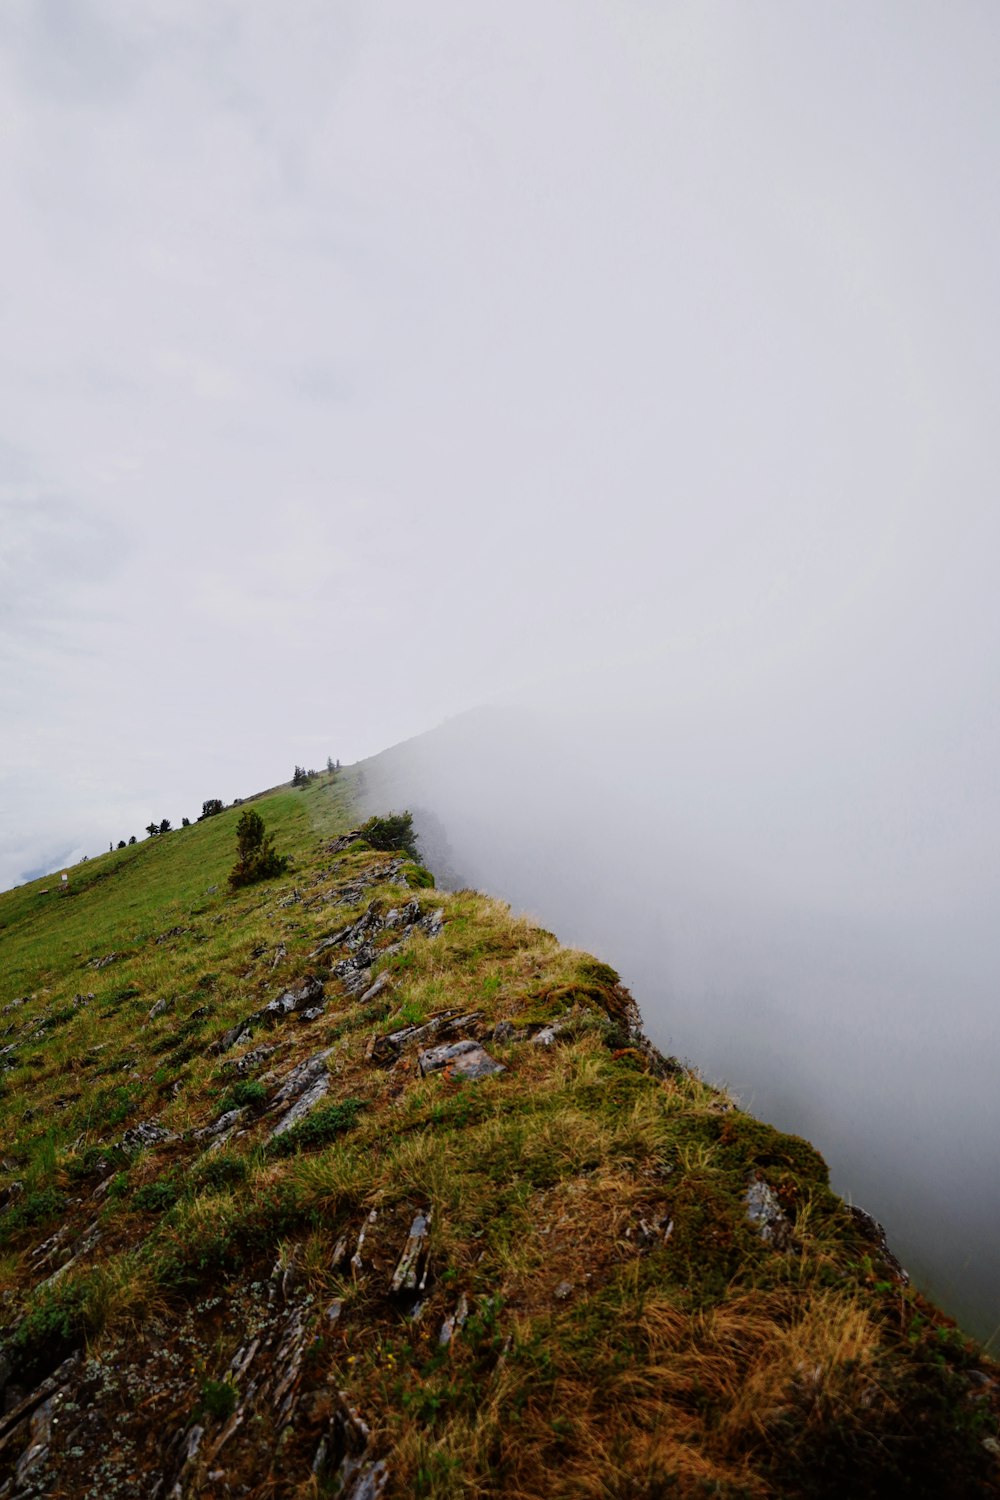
(219, 1171)
(247, 1093)
(218, 1400)
(31, 1208)
(317, 1129)
(156, 1197)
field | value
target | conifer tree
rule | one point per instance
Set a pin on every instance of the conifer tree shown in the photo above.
(257, 859)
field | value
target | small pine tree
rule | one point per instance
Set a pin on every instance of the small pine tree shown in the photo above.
(257, 859)
(152, 829)
(300, 776)
(131, 838)
(185, 822)
(329, 763)
(121, 843)
(165, 826)
(210, 808)
(394, 831)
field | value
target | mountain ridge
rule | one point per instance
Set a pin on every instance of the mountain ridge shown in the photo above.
(341, 1184)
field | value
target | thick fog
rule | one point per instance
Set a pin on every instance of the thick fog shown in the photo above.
(800, 891)
(637, 365)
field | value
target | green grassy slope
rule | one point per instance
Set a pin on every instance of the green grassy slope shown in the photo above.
(539, 1281)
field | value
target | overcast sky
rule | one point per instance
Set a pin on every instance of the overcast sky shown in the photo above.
(361, 362)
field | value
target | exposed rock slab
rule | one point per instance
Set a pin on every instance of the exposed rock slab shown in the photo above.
(386, 1048)
(286, 1004)
(147, 1133)
(461, 1060)
(767, 1216)
(306, 1085)
(411, 1270)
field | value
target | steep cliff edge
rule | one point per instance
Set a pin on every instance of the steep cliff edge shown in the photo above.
(341, 1185)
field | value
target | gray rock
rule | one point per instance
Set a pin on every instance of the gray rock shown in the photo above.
(387, 1048)
(333, 941)
(10, 1192)
(147, 1133)
(102, 963)
(303, 1076)
(433, 925)
(355, 979)
(564, 1290)
(222, 1125)
(31, 1418)
(159, 1008)
(172, 932)
(357, 1262)
(767, 1216)
(404, 916)
(454, 1321)
(250, 1060)
(306, 1102)
(462, 1060)
(354, 972)
(288, 1362)
(546, 1036)
(875, 1235)
(342, 1455)
(410, 1274)
(290, 1001)
(371, 1484)
(382, 983)
(286, 1004)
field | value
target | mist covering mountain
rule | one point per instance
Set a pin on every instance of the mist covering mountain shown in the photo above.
(776, 920)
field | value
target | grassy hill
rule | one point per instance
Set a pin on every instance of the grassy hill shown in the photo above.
(341, 1185)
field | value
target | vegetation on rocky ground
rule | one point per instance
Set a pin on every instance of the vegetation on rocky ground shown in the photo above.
(340, 1184)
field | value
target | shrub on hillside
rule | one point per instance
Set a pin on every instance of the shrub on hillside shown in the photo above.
(318, 1129)
(394, 831)
(257, 859)
(210, 808)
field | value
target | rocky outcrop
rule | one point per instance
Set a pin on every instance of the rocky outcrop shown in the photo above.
(301, 1091)
(460, 1060)
(501, 1245)
(303, 1001)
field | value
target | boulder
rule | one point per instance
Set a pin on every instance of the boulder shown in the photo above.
(461, 1060)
